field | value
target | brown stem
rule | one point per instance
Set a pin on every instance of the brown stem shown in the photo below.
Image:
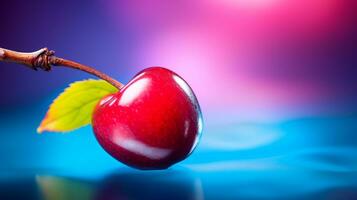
(45, 59)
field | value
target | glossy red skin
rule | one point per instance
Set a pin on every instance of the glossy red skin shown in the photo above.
(154, 122)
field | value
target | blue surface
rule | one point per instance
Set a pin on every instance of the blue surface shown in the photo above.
(308, 158)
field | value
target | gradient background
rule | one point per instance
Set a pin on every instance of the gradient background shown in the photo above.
(276, 80)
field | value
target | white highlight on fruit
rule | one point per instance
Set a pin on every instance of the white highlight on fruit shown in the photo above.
(140, 148)
(200, 124)
(185, 87)
(112, 102)
(187, 126)
(132, 92)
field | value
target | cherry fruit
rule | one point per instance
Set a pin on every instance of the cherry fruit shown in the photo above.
(153, 122)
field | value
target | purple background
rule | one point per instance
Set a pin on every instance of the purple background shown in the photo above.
(253, 57)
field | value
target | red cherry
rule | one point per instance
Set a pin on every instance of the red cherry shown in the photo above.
(153, 122)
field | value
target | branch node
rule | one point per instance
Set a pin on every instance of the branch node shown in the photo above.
(43, 59)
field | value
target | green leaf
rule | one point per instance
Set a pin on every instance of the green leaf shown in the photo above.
(74, 107)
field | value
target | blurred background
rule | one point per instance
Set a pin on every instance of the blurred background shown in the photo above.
(276, 80)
